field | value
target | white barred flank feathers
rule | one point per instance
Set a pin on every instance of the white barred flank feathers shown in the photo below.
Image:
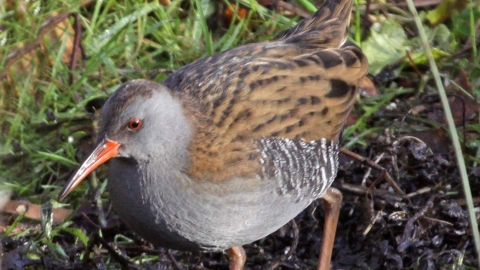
(302, 169)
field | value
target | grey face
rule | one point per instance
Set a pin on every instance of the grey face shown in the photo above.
(146, 120)
(143, 122)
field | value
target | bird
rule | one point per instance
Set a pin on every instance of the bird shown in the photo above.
(233, 146)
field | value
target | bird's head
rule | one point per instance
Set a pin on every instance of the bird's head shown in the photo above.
(141, 121)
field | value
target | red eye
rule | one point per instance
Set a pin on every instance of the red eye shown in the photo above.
(135, 123)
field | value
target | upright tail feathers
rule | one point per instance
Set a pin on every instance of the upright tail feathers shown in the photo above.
(327, 28)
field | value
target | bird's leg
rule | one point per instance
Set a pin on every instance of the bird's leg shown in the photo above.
(237, 257)
(332, 201)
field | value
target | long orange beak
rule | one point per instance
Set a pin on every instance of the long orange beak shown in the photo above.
(104, 151)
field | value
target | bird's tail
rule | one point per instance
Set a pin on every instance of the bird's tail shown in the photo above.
(327, 28)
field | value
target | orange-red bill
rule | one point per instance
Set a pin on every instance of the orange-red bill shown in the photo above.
(104, 151)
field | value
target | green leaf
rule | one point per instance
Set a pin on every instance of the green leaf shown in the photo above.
(445, 10)
(56, 158)
(419, 57)
(78, 233)
(386, 45)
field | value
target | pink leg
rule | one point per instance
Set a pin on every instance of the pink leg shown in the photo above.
(237, 257)
(332, 201)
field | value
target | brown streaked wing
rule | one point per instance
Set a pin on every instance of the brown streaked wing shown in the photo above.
(327, 28)
(307, 96)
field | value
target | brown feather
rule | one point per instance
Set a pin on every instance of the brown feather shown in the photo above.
(301, 85)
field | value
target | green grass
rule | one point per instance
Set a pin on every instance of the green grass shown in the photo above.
(122, 41)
